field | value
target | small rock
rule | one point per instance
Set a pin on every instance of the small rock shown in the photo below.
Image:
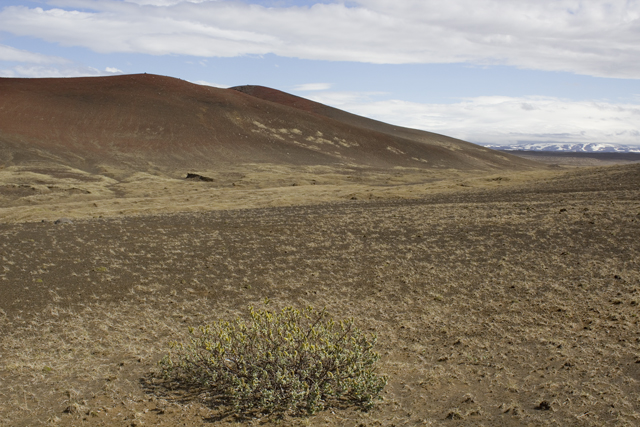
(543, 406)
(63, 221)
(72, 409)
(198, 177)
(454, 415)
(468, 399)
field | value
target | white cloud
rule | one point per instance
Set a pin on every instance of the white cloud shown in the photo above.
(312, 87)
(163, 2)
(205, 83)
(346, 99)
(507, 120)
(44, 71)
(596, 37)
(8, 53)
(113, 70)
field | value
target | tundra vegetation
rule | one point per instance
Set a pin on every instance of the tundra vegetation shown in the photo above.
(504, 299)
(292, 361)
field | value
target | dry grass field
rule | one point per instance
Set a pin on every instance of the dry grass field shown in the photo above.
(508, 299)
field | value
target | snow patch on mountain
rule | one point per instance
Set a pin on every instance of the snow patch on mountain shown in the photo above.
(592, 147)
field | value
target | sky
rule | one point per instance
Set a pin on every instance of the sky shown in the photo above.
(486, 71)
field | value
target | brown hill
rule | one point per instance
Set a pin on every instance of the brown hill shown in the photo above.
(394, 131)
(149, 122)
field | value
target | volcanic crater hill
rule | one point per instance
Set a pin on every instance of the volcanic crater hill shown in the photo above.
(150, 122)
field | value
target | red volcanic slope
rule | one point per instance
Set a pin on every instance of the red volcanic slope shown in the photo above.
(148, 121)
(309, 106)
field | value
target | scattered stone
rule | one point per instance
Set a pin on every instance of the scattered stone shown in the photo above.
(198, 177)
(467, 398)
(454, 415)
(513, 410)
(63, 221)
(543, 406)
(74, 408)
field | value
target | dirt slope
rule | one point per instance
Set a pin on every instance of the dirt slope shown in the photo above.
(149, 122)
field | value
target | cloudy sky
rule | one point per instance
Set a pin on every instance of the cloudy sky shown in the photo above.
(487, 71)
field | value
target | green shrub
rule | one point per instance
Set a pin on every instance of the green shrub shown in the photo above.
(292, 361)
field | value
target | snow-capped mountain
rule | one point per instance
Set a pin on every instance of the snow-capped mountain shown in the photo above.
(592, 147)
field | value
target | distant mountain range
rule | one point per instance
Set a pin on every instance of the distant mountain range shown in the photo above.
(593, 147)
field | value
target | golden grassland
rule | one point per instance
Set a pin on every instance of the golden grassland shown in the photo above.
(507, 299)
(48, 193)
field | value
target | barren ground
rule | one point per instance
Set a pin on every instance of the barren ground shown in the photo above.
(497, 300)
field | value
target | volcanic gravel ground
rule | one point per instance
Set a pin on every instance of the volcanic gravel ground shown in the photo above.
(505, 307)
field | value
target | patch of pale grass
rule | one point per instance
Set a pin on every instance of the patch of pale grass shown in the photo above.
(233, 187)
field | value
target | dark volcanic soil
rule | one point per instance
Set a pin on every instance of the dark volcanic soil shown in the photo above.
(504, 307)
